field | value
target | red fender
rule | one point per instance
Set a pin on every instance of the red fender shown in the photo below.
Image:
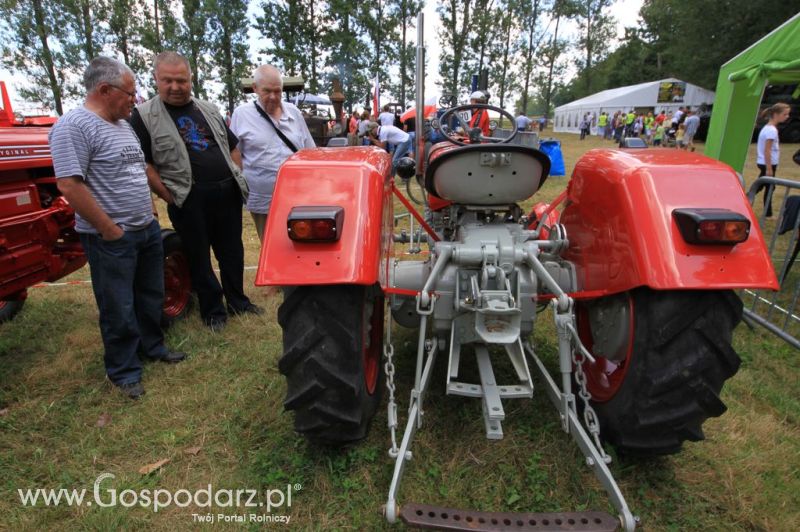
(356, 179)
(622, 234)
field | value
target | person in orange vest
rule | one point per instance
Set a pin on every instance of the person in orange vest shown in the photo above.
(480, 118)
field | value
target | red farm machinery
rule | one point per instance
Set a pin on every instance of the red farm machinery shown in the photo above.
(636, 262)
(37, 238)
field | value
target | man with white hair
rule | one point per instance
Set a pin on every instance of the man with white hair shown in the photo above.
(269, 131)
(100, 169)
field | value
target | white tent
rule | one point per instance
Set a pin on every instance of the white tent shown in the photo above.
(667, 94)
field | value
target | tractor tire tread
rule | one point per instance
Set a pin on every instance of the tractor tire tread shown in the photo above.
(682, 357)
(322, 362)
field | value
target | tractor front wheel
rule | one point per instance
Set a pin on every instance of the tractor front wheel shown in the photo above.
(332, 348)
(665, 356)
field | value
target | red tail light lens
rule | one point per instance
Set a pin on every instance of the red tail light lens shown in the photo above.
(712, 226)
(315, 224)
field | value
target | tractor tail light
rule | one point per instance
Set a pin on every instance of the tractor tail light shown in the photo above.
(712, 226)
(315, 224)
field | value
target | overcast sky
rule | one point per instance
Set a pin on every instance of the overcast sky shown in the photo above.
(624, 11)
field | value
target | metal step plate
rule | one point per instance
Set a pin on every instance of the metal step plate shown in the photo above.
(438, 518)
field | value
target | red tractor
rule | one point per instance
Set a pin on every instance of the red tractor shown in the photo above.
(638, 271)
(37, 238)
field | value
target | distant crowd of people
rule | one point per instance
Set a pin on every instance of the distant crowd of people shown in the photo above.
(676, 129)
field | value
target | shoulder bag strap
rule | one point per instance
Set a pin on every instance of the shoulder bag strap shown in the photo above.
(278, 131)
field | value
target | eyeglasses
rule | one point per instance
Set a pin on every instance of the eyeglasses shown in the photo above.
(131, 94)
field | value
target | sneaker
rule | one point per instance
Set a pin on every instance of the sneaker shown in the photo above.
(216, 325)
(250, 308)
(134, 390)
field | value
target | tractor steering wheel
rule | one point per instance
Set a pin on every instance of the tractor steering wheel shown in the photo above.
(474, 134)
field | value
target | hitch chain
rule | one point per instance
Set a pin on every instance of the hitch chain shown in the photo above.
(388, 367)
(589, 415)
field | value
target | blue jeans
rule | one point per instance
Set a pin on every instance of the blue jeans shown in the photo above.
(401, 150)
(128, 284)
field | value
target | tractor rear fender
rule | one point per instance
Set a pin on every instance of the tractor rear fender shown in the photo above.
(622, 232)
(356, 179)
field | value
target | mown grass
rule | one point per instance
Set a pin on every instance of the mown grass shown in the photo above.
(227, 400)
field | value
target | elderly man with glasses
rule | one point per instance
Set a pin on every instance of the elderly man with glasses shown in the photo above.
(101, 172)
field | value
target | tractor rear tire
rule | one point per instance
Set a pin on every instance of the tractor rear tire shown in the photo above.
(177, 280)
(332, 348)
(680, 357)
(10, 308)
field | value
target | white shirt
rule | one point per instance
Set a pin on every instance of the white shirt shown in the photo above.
(386, 119)
(362, 127)
(768, 132)
(523, 122)
(677, 116)
(691, 123)
(263, 151)
(392, 134)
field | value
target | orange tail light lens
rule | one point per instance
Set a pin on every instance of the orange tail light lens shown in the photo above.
(315, 224)
(712, 226)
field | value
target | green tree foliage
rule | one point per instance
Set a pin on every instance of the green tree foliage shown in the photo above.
(406, 15)
(692, 40)
(502, 76)
(228, 46)
(294, 29)
(378, 27)
(346, 52)
(482, 42)
(685, 40)
(161, 28)
(531, 35)
(125, 28)
(29, 27)
(194, 43)
(596, 29)
(81, 19)
(453, 39)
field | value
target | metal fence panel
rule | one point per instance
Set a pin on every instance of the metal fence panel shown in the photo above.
(777, 311)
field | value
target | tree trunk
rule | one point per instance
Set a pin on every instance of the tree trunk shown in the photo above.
(86, 13)
(313, 85)
(403, 70)
(529, 56)
(549, 93)
(459, 42)
(158, 35)
(229, 81)
(506, 49)
(47, 56)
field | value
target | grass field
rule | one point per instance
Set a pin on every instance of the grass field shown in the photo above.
(218, 419)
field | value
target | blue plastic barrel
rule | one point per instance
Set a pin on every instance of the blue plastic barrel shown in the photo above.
(552, 148)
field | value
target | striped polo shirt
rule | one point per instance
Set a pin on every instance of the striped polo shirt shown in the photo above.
(110, 161)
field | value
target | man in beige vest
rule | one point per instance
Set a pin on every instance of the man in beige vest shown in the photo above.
(193, 165)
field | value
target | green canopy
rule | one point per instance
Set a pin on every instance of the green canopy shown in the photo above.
(775, 59)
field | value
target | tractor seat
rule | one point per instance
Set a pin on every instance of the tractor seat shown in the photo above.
(485, 174)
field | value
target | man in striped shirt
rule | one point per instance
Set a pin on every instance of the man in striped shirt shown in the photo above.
(101, 172)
